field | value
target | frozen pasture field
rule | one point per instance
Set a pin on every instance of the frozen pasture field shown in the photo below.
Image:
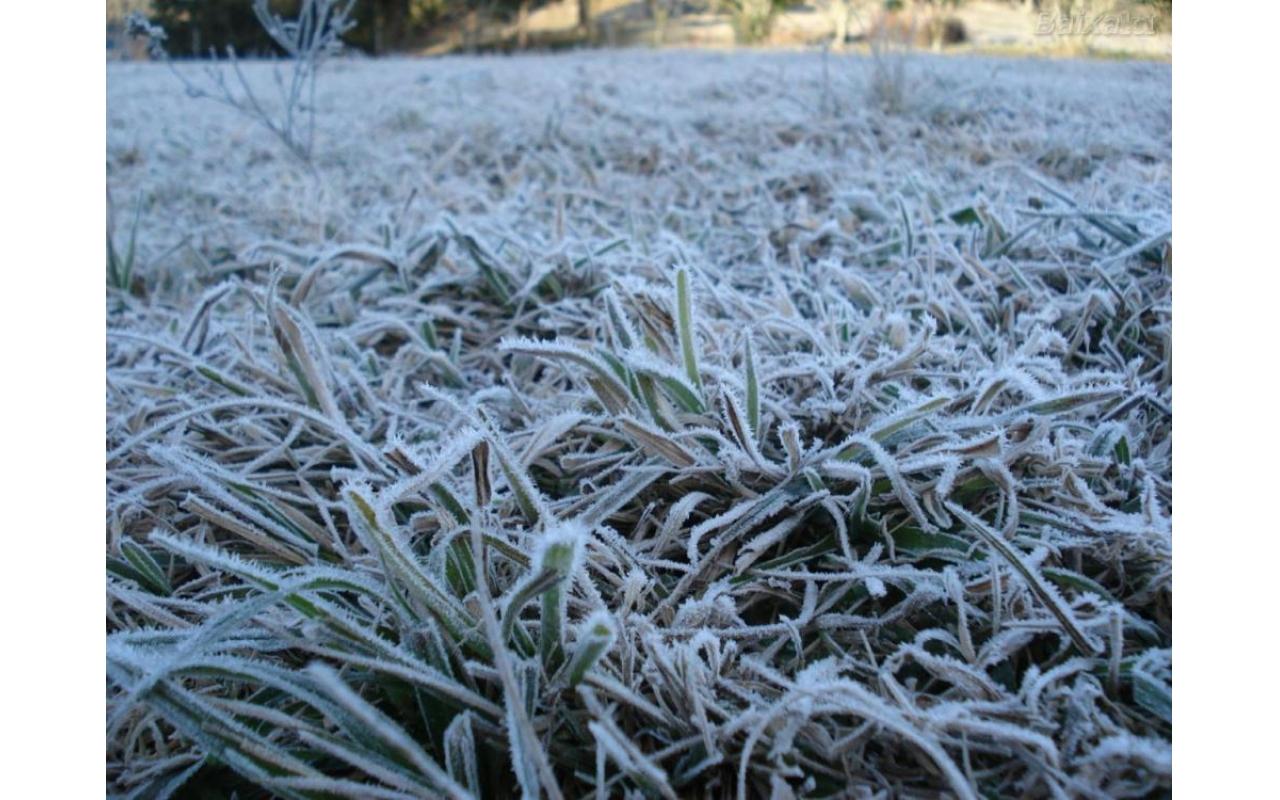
(644, 423)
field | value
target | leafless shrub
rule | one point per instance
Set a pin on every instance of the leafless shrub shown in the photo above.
(309, 40)
(889, 82)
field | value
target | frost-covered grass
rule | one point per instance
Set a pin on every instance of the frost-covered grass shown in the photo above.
(644, 424)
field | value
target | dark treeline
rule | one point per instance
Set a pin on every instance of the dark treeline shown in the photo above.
(195, 26)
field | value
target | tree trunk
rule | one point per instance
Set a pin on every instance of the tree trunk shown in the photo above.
(658, 13)
(584, 16)
(840, 12)
(395, 24)
(522, 25)
(471, 26)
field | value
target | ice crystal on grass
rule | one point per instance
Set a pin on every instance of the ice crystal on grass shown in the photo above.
(685, 442)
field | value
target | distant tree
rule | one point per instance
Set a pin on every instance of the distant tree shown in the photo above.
(753, 19)
(521, 9)
(839, 11)
(118, 42)
(940, 27)
(659, 12)
(387, 23)
(391, 25)
(197, 26)
(118, 10)
(522, 24)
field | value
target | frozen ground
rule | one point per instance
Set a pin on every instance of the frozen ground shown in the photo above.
(915, 539)
(637, 143)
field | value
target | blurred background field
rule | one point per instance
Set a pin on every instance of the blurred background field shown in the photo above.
(1099, 28)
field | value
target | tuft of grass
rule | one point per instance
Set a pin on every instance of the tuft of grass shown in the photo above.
(120, 264)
